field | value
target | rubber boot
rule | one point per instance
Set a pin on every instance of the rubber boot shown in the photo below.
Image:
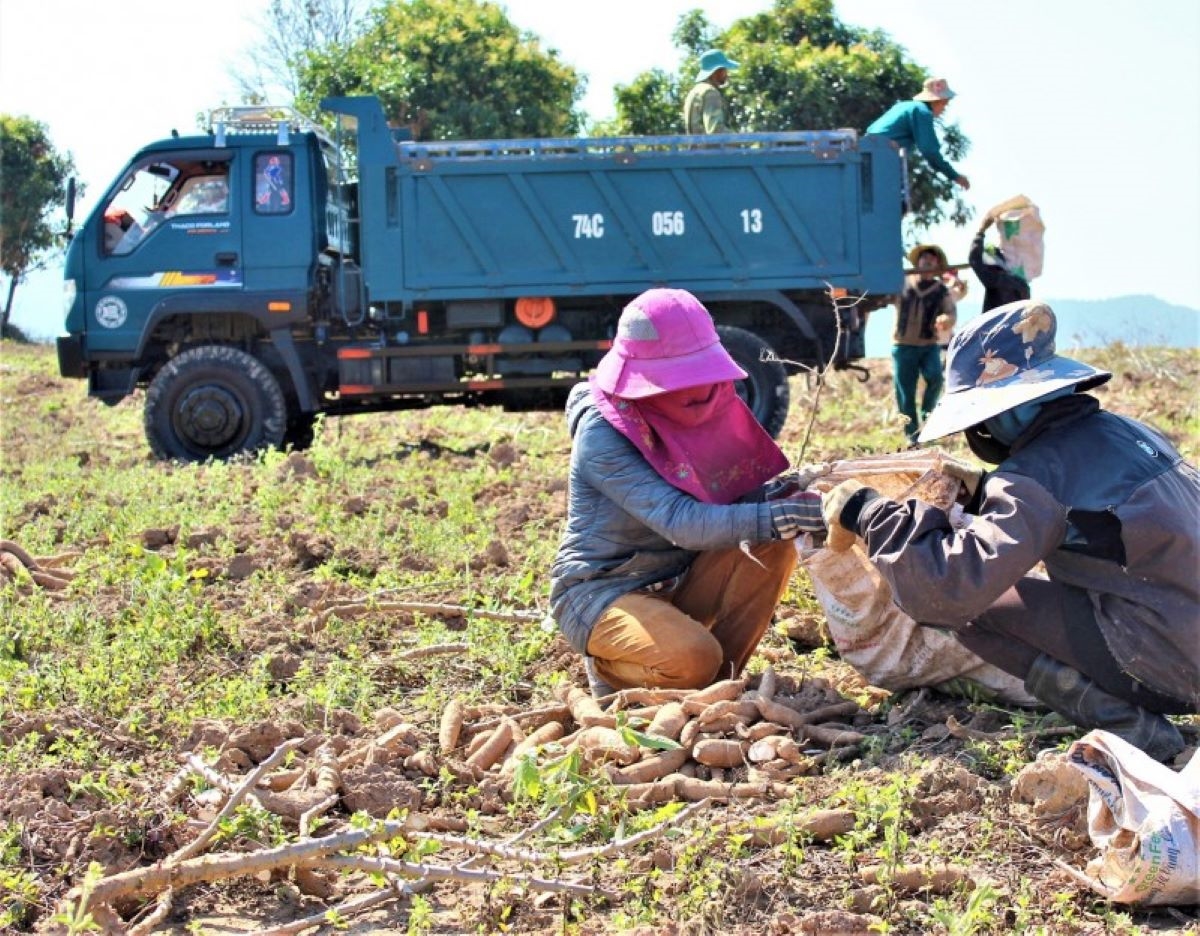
(598, 686)
(1076, 697)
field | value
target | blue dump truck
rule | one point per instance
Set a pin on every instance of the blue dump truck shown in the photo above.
(269, 271)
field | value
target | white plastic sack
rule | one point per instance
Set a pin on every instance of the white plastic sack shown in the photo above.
(1021, 230)
(883, 643)
(1144, 818)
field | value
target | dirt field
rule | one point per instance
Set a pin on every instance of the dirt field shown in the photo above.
(334, 639)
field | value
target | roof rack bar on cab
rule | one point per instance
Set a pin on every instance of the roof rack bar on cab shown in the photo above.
(263, 118)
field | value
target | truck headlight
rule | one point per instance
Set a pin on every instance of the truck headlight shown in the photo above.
(69, 289)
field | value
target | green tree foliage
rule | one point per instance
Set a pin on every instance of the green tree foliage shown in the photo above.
(33, 182)
(450, 69)
(801, 69)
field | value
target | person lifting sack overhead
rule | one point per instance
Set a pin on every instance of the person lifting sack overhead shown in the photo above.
(1111, 638)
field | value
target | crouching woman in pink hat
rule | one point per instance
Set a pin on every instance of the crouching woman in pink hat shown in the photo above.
(669, 474)
(1109, 636)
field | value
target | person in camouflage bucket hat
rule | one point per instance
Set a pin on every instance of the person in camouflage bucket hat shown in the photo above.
(1108, 635)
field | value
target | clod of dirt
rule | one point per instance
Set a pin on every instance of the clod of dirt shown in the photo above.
(377, 790)
(297, 465)
(310, 550)
(158, 538)
(201, 538)
(241, 567)
(503, 454)
(343, 721)
(945, 789)
(258, 741)
(283, 665)
(838, 923)
(807, 630)
(206, 733)
(494, 553)
(513, 517)
(1050, 785)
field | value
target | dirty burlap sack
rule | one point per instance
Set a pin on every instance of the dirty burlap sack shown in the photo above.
(1145, 819)
(870, 632)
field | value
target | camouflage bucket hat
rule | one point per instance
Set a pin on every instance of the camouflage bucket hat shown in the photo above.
(1001, 360)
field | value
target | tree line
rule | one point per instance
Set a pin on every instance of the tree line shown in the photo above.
(460, 69)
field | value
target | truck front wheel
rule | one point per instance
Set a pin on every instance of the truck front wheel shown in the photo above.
(214, 402)
(765, 389)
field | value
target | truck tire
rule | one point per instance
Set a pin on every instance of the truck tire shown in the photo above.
(214, 402)
(765, 389)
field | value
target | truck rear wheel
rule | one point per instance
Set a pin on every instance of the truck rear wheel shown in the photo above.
(765, 389)
(214, 402)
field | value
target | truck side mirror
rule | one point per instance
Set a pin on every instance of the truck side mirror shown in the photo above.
(70, 205)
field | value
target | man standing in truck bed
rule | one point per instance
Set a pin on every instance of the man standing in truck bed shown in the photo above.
(910, 123)
(704, 108)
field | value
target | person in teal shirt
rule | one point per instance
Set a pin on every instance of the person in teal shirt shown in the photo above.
(910, 123)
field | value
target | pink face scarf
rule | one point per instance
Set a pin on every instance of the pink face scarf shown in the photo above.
(704, 440)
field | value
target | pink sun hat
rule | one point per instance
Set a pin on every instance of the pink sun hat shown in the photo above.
(665, 341)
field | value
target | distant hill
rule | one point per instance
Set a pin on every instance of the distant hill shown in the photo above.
(1142, 321)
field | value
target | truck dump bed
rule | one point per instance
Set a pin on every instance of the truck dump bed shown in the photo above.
(777, 211)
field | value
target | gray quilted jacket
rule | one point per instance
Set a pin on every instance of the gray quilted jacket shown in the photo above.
(626, 527)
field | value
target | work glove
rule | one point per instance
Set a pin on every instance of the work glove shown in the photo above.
(969, 475)
(833, 505)
(807, 474)
(799, 513)
(794, 481)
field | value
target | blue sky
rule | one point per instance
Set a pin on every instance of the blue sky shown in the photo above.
(1090, 109)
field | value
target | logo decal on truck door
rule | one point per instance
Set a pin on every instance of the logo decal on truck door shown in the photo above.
(111, 311)
(179, 278)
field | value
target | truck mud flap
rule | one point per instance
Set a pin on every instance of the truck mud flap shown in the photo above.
(70, 356)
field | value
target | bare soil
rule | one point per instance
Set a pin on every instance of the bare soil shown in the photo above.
(970, 786)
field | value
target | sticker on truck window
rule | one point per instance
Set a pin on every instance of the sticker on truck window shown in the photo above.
(111, 311)
(588, 225)
(273, 183)
(752, 221)
(667, 224)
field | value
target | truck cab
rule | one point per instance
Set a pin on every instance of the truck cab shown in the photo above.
(221, 239)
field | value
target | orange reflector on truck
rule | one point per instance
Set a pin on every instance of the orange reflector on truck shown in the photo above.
(838, 292)
(353, 354)
(535, 311)
(422, 322)
(279, 307)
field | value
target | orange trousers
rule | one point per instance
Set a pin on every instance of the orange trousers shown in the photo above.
(703, 630)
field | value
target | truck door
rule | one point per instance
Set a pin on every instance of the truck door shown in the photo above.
(168, 237)
(280, 215)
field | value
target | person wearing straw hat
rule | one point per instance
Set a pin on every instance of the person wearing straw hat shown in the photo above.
(1109, 635)
(675, 549)
(704, 107)
(925, 315)
(909, 124)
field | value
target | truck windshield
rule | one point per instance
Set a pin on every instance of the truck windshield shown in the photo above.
(157, 189)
